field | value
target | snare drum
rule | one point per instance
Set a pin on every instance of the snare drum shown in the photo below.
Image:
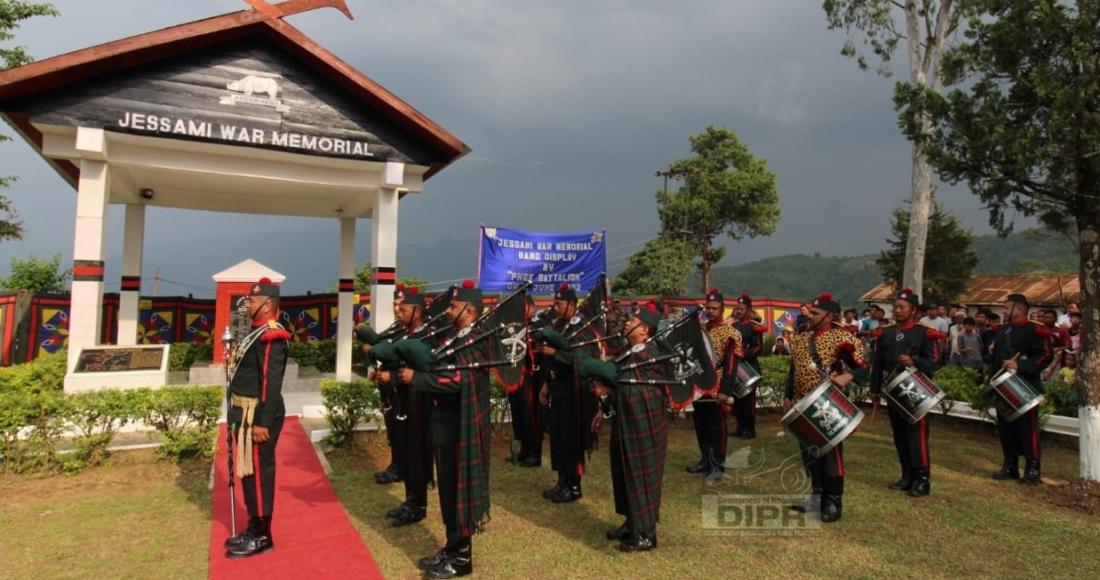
(745, 380)
(913, 394)
(823, 418)
(1016, 395)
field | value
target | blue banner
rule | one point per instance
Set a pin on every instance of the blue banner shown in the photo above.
(508, 258)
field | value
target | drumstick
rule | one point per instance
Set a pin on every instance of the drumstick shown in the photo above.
(874, 407)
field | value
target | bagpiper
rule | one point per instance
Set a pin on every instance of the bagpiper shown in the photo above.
(411, 413)
(570, 406)
(459, 431)
(635, 403)
(387, 389)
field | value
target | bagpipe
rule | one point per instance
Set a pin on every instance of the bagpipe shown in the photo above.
(592, 313)
(504, 327)
(434, 320)
(686, 356)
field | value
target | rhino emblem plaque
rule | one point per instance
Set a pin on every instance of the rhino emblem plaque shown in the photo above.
(255, 90)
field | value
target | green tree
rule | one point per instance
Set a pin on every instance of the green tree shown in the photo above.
(1021, 126)
(12, 12)
(726, 190)
(925, 26)
(661, 268)
(37, 276)
(949, 258)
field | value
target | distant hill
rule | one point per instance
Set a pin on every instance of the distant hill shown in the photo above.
(801, 276)
(1027, 252)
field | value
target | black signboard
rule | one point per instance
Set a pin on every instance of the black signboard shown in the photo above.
(248, 93)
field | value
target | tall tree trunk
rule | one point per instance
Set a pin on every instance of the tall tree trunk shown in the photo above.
(705, 264)
(1088, 360)
(919, 210)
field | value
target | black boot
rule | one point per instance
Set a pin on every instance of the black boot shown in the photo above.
(620, 533)
(253, 524)
(905, 482)
(549, 493)
(639, 542)
(387, 476)
(1032, 473)
(532, 460)
(922, 484)
(412, 515)
(258, 542)
(397, 511)
(455, 563)
(749, 431)
(700, 467)
(569, 493)
(433, 560)
(1010, 469)
(831, 508)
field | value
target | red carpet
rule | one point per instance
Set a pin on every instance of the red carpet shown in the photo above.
(313, 536)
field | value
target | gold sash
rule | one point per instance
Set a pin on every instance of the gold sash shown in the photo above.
(244, 433)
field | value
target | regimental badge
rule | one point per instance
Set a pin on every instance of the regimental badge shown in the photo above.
(637, 348)
(899, 337)
(514, 342)
(465, 331)
(575, 320)
(686, 365)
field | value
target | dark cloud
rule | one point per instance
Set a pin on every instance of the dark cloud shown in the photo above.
(569, 107)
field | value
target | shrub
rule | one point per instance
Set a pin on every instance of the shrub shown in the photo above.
(346, 406)
(95, 417)
(31, 425)
(961, 384)
(773, 383)
(44, 374)
(182, 355)
(1062, 398)
(320, 354)
(186, 418)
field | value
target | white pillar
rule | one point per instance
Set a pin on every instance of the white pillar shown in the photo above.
(345, 316)
(130, 293)
(384, 246)
(93, 191)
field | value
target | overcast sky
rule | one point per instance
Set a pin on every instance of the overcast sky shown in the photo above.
(569, 108)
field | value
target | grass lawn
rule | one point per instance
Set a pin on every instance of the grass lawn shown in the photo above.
(136, 518)
(971, 526)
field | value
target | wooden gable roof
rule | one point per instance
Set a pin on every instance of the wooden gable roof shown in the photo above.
(38, 80)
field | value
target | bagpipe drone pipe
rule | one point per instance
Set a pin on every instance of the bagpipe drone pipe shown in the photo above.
(685, 346)
(503, 327)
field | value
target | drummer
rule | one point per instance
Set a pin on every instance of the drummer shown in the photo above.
(1024, 347)
(900, 346)
(823, 352)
